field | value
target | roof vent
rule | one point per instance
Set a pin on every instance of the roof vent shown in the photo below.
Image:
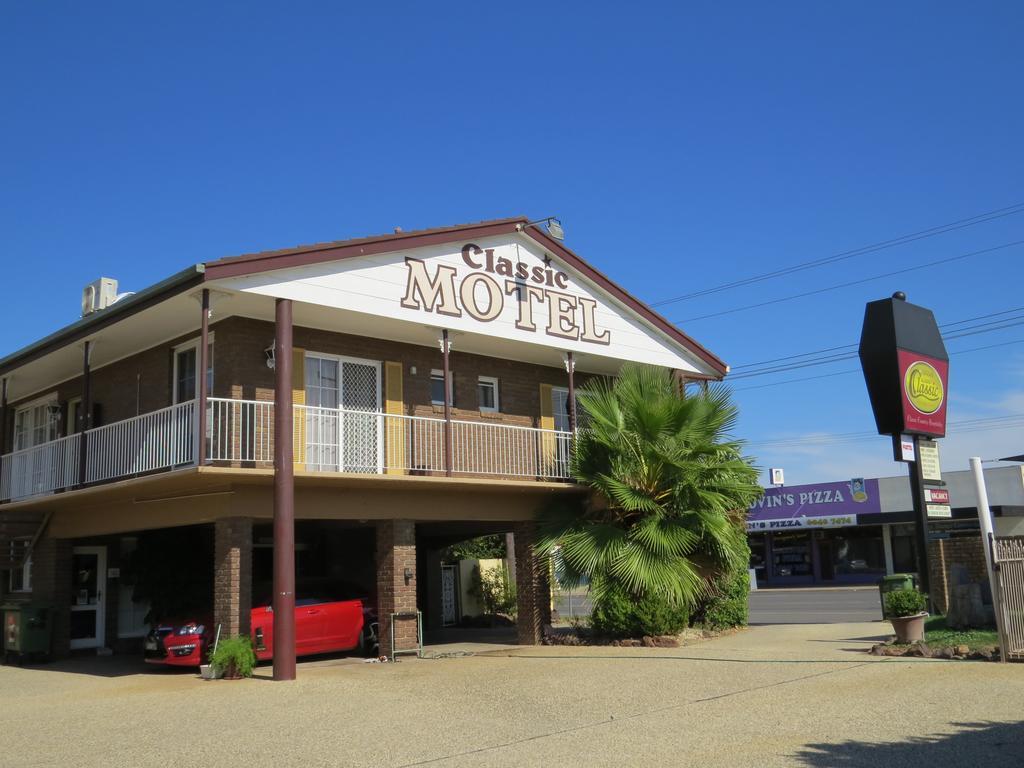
(99, 294)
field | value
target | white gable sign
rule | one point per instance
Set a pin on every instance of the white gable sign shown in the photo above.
(489, 280)
(502, 286)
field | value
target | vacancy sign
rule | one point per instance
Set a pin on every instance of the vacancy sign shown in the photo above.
(937, 502)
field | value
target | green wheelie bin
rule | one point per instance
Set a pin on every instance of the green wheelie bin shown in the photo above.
(27, 631)
(894, 582)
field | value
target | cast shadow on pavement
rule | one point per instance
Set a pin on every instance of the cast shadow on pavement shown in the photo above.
(991, 744)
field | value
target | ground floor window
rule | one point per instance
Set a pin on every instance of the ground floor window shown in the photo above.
(853, 552)
(904, 550)
(20, 578)
(791, 555)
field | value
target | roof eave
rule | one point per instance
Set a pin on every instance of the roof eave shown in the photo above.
(82, 329)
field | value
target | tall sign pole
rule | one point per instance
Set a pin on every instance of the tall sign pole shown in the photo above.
(906, 369)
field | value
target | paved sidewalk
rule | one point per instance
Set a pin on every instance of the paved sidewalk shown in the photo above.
(800, 695)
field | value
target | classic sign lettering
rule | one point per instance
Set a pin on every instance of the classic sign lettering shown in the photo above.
(482, 296)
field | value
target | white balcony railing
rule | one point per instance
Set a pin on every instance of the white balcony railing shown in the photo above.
(241, 433)
(340, 440)
(158, 440)
(40, 470)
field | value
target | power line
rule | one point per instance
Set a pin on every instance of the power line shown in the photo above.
(940, 229)
(854, 345)
(962, 426)
(857, 370)
(850, 283)
(975, 330)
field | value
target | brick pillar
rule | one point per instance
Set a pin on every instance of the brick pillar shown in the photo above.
(396, 551)
(533, 593)
(51, 583)
(232, 575)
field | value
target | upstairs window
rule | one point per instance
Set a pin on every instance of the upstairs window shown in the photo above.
(437, 387)
(487, 387)
(186, 361)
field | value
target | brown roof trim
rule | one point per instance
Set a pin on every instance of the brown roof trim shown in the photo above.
(628, 299)
(236, 266)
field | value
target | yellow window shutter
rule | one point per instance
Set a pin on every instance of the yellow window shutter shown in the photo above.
(547, 412)
(547, 439)
(394, 428)
(299, 398)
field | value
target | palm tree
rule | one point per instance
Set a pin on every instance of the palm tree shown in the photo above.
(670, 490)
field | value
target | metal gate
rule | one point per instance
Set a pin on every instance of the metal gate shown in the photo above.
(449, 596)
(1008, 559)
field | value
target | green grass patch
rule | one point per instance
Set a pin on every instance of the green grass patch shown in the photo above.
(938, 635)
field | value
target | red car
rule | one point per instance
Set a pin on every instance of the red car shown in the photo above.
(321, 626)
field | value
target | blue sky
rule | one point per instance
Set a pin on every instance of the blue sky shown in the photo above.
(682, 146)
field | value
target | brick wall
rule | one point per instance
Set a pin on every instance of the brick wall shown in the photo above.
(945, 553)
(396, 551)
(232, 576)
(533, 593)
(142, 382)
(242, 371)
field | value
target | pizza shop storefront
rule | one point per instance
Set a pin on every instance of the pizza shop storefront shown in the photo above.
(828, 533)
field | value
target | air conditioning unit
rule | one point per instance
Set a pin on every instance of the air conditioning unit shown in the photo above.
(98, 295)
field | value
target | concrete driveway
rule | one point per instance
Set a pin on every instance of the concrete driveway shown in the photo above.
(802, 695)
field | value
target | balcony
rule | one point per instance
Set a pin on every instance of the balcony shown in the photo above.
(240, 433)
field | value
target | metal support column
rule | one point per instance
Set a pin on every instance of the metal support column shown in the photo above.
(570, 368)
(921, 527)
(284, 497)
(84, 413)
(446, 346)
(203, 365)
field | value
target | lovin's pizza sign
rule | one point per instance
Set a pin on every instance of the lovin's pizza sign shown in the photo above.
(905, 367)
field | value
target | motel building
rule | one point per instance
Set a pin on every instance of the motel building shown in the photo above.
(430, 381)
(856, 531)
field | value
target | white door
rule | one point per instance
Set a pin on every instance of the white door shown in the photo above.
(343, 429)
(88, 597)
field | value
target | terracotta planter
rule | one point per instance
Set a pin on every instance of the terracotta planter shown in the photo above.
(909, 629)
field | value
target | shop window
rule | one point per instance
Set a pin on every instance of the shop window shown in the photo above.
(20, 578)
(791, 555)
(858, 552)
(437, 387)
(487, 387)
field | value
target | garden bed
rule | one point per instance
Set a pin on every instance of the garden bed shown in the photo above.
(944, 642)
(576, 635)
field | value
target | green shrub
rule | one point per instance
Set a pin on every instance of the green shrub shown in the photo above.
(617, 613)
(727, 605)
(234, 657)
(905, 602)
(498, 592)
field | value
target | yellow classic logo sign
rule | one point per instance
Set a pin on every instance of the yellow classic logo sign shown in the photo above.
(923, 386)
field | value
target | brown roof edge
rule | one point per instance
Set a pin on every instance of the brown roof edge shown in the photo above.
(630, 301)
(265, 261)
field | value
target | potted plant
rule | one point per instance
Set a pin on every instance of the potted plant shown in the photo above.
(906, 611)
(234, 657)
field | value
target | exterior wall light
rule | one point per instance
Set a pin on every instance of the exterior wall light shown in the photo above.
(554, 227)
(269, 352)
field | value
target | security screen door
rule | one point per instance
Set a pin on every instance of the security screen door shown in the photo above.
(343, 429)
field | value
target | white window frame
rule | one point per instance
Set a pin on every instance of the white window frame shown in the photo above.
(45, 400)
(341, 359)
(25, 570)
(492, 381)
(73, 404)
(438, 373)
(191, 344)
